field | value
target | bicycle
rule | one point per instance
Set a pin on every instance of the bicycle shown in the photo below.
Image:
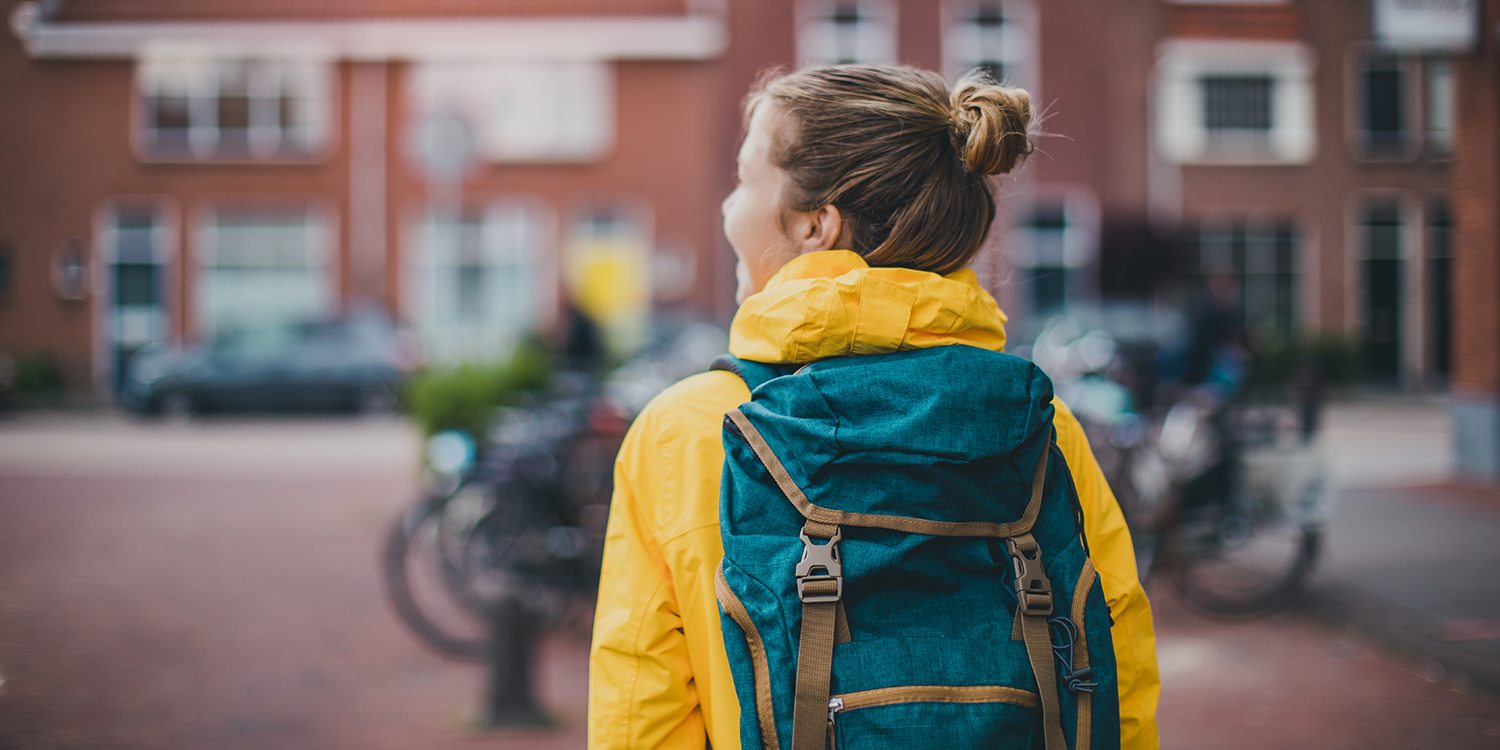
(1243, 527)
(1223, 492)
(524, 518)
(523, 515)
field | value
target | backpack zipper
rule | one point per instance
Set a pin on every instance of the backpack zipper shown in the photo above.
(835, 705)
(927, 694)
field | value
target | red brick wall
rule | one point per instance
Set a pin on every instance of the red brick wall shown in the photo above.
(1476, 206)
(1255, 21)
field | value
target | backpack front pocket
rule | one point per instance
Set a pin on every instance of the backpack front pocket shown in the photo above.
(933, 717)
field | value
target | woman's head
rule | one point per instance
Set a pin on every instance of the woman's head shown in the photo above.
(882, 160)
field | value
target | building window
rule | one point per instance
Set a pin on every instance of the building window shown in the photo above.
(1382, 234)
(479, 280)
(1440, 107)
(1382, 107)
(264, 268)
(233, 110)
(1047, 278)
(524, 112)
(1404, 106)
(846, 31)
(1235, 103)
(1055, 240)
(993, 36)
(1261, 258)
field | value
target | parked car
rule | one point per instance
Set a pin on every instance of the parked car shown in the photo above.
(357, 362)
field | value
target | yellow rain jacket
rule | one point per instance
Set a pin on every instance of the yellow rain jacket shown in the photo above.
(658, 674)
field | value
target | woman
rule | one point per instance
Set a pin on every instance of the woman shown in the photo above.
(862, 194)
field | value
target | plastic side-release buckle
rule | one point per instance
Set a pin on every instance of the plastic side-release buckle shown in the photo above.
(1033, 589)
(820, 564)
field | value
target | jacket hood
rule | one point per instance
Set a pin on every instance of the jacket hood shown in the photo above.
(833, 304)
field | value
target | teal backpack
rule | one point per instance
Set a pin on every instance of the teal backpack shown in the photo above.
(904, 563)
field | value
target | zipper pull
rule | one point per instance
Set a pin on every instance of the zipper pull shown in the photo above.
(835, 705)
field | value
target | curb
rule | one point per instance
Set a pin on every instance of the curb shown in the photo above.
(1398, 626)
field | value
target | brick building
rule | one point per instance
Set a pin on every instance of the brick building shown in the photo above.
(1303, 147)
(1476, 255)
(175, 169)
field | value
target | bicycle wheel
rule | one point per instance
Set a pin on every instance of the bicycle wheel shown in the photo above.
(424, 572)
(1245, 555)
(520, 549)
(449, 561)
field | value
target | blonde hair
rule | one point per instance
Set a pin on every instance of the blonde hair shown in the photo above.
(905, 160)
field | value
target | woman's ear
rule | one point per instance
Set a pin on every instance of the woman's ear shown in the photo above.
(822, 229)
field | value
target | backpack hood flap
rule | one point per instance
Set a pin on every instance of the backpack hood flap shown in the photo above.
(941, 433)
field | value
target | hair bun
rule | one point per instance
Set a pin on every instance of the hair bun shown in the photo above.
(990, 122)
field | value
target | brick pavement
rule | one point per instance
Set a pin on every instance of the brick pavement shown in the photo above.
(1295, 680)
(164, 609)
(216, 586)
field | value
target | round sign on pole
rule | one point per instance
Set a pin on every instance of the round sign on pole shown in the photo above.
(446, 145)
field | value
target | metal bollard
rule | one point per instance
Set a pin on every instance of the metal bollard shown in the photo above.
(509, 701)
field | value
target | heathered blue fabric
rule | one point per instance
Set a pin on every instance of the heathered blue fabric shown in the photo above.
(949, 434)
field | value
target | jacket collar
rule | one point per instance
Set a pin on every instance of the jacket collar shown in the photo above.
(832, 304)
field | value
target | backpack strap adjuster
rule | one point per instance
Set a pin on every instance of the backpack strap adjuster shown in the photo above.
(1033, 589)
(820, 575)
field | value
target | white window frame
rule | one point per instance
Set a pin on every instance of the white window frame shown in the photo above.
(1080, 239)
(517, 233)
(1182, 136)
(196, 75)
(545, 112)
(1439, 107)
(818, 34)
(1358, 60)
(164, 253)
(322, 237)
(965, 44)
(1422, 96)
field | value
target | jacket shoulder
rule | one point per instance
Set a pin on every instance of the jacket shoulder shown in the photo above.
(688, 402)
(674, 454)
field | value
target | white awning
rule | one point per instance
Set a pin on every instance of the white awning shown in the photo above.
(597, 38)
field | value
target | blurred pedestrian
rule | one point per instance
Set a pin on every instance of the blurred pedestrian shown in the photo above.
(863, 192)
(583, 347)
(1216, 325)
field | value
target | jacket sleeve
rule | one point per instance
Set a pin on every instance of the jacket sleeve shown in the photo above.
(1114, 558)
(641, 690)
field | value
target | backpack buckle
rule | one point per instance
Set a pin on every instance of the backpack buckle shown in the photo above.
(1033, 589)
(824, 558)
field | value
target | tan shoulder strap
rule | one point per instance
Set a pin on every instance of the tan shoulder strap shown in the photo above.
(820, 586)
(1033, 604)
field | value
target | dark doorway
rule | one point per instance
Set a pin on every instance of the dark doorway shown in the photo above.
(1382, 291)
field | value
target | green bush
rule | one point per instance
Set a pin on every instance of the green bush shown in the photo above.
(463, 397)
(38, 374)
(1281, 362)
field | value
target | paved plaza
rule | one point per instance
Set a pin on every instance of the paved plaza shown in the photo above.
(215, 585)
